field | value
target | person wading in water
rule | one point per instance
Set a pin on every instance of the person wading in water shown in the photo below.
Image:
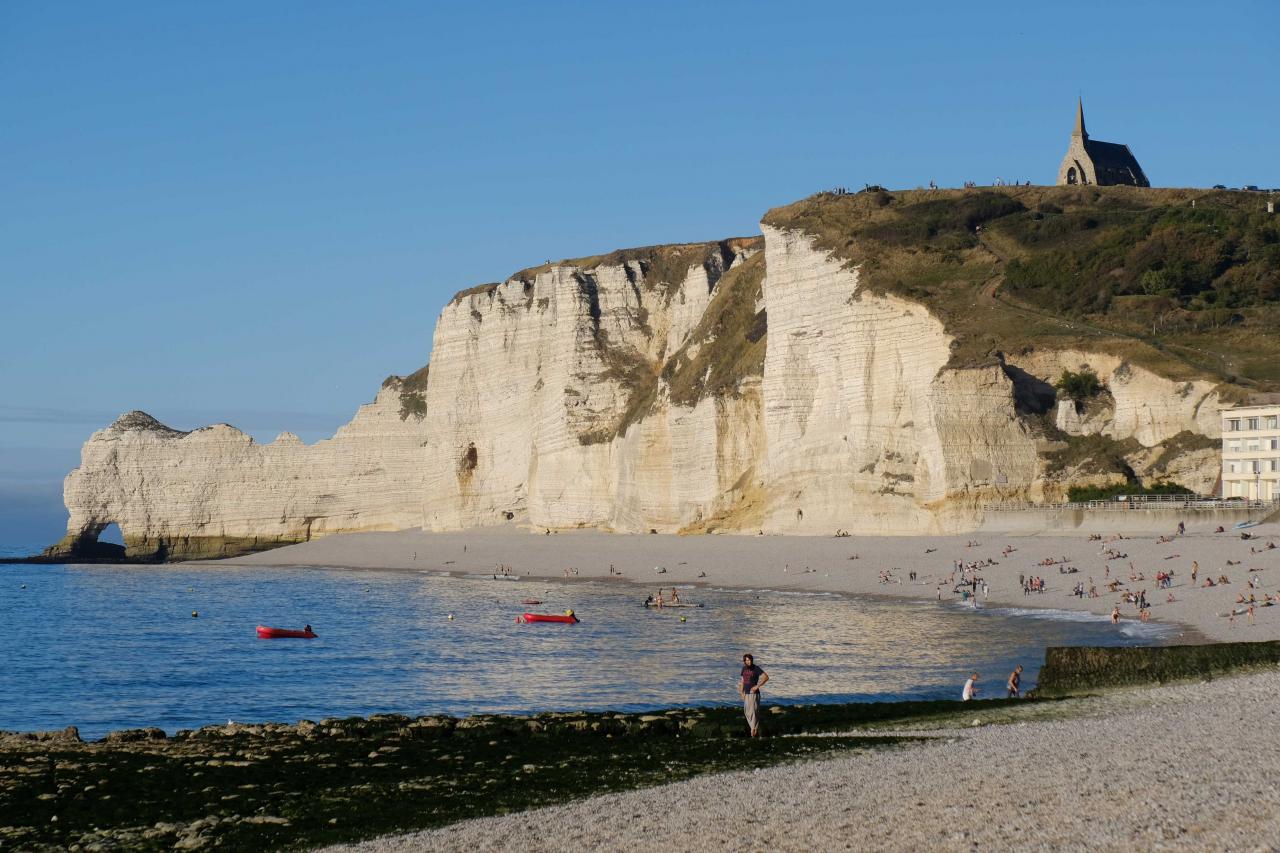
(753, 678)
(1015, 682)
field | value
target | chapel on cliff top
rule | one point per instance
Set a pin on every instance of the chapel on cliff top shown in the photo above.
(1089, 161)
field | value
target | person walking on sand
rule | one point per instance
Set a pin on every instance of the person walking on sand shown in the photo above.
(970, 688)
(753, 678)
(1015, 682)
(1115, 615)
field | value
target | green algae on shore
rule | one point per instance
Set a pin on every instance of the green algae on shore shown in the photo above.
(273, 786)
(1069, 670)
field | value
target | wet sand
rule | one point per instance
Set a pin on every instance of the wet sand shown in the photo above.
(854, 565)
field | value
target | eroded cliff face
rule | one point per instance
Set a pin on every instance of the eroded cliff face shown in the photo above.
(738, 386)
(1137, 403)
(215, 492)
(866, 428)
(547, 405)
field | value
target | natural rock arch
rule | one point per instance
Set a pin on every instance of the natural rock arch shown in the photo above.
(89, 544)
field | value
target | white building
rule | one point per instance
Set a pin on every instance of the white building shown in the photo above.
(1251, 452)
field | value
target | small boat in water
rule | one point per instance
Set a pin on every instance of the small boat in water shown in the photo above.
(268, 633)
(568, 618)
(531, 601)
(667, 604)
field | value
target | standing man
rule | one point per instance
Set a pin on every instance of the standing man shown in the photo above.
(1015, 682)
(753, 678)
(970, 688)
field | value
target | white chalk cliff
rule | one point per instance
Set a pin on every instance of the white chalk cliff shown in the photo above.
(545, 403)
(628, 393)
(216, 492)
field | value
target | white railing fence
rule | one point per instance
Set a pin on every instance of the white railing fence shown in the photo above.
(1140, 503)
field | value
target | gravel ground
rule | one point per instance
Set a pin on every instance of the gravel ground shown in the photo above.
(1185, 767)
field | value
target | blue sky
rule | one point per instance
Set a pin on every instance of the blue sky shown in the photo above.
(253, 212)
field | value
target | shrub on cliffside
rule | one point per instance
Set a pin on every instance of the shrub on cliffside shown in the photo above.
(1079, 386)
(1083, 494)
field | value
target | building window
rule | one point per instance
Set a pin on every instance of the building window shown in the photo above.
(1231, 467)
(1233, 446)
(1233, 425)
(1252, 445)
(1273, 422)
(1253, 423)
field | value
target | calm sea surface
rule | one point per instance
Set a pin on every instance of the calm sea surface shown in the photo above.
(105, 648)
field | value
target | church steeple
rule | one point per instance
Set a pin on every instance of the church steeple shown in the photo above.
(1091, 161)
(1080, 131)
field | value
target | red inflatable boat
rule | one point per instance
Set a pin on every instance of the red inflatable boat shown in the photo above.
(568, 618)
(265, 633)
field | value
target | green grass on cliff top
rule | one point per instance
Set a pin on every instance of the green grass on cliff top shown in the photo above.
(1189, 291)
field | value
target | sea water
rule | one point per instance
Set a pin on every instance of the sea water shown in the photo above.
(112, 647)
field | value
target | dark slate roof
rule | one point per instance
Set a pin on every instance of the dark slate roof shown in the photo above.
(1114, 163)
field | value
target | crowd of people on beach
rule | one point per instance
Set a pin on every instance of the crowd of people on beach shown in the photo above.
(967, 580)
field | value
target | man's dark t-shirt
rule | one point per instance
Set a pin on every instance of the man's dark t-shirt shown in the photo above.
(750, 677)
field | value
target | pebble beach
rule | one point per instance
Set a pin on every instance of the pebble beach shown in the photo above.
(1183, 767)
